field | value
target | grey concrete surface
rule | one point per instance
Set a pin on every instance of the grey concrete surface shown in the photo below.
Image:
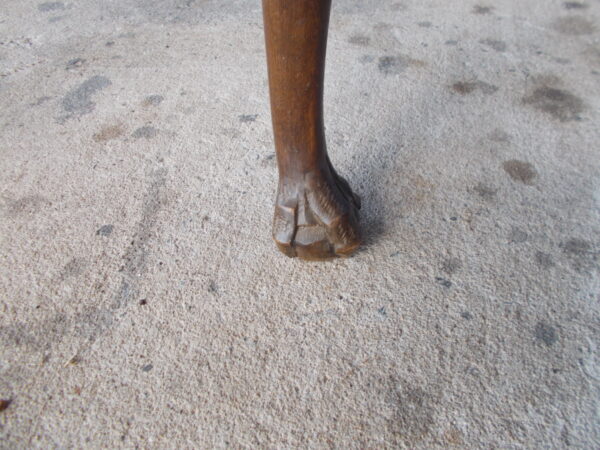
(143, 303)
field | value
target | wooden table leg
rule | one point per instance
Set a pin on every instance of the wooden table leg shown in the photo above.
(316, 213)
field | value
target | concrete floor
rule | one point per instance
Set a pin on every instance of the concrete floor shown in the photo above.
(143, 303)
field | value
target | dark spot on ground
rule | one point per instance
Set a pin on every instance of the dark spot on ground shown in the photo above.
(451, 265)
(5, 403)
(478, 9)
(143, 302)
(41, 100)
(577, 246)
(105, 230)
(393, 65)
(499, 135)
(558, 103)
(146, 132)
(580, 253)
(359, 39)
(413, 413)
(110, 43)
(517, 236)
(74, 63)
(451, 42)
(108, 132)
(29, 204)
(269, 160)
(466, 315)
(544, 260)
(443, 282)
(574, 26)
(73, 268)
(467, 87)
(78, 101)
(212, 286)
(153, 100)
(499, 46)
(147, 368)
(382, 311)
(575, 5)
(520, 171)
(425, 24)
(484, 191)
(545, 333)
(50, 6)
(246, 118)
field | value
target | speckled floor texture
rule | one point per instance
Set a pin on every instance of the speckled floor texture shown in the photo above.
(143, 303)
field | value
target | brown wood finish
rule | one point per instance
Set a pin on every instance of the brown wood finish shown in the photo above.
(316, 213)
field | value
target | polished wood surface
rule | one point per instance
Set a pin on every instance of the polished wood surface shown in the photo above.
(316, 212)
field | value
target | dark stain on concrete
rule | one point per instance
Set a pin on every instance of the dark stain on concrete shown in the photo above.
(413, 416)
(105, 230)
(484, 191)
(393, 65)
(558, 103)
(27, 205)
(360, 40)
(580, 253)
(153, 100)
(425, 24)
(75, 63)
(147, 368)
(545, 333)
(35, 335)
(467, 87)
(93, 321)
(443, 282)
(451, 42)
(247, 118)
(517, 236)
(146, 132)
(575, 5)
(41, 100)
(576, 246)
(499, 135)
(466, 315)
(499, 46)
(73, 268)
(521, 171)
(154, 201)
(544, 260)
(108, 133)
(451, 265)
(479, 9)
(78, 100)
(51, 6)
(574, 26)
(56, 19)
(563, 61)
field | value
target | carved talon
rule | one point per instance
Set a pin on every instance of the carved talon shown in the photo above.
(317, 219)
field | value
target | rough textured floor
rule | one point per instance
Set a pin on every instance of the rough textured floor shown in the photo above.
(143, 303)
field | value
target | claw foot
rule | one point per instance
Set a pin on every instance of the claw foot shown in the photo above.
(316, 218)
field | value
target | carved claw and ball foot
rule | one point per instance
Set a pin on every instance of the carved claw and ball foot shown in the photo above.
(316, 217)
